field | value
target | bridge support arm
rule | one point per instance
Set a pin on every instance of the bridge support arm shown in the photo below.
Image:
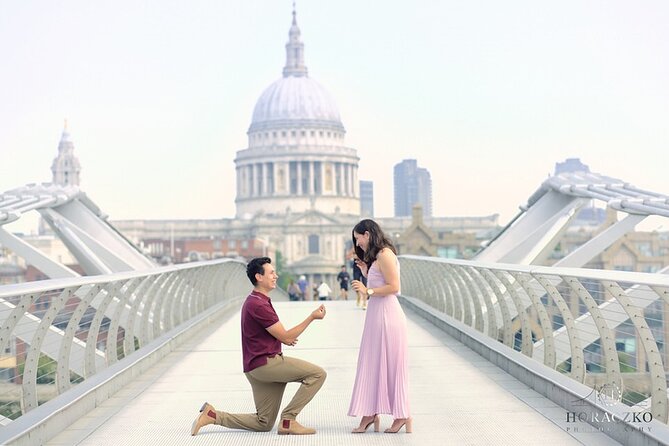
(33, 256)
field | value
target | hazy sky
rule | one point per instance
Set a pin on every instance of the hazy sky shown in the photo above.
(487, 95)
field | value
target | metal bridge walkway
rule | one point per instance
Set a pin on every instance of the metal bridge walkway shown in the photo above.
(457, 397)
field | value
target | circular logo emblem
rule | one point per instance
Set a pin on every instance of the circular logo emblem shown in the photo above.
(609, 394)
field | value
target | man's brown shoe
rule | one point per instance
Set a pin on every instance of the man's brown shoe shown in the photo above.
(292, 427)
(207, 416)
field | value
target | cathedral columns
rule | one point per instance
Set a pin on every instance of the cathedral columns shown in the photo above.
(311, 178)
(299, 177)
(347, 179)
(356, 183)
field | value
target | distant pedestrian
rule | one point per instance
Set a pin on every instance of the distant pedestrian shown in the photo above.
(323, 291)
(293, 291)
(303, 285)
(343, 279)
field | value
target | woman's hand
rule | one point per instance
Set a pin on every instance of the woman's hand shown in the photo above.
(362, 265)
(359, 287)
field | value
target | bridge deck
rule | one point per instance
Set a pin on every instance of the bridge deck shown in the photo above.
(457, 397)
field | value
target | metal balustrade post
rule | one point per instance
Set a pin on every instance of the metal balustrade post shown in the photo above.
(209, 290)
(108, 291)
(161, 302)
(507, 323)
(220, 285)
(174, 306)
(143, 312)
(527, 345)
(133, 313)
(167, 291)
(200, 285)
(455, 292)
(577, 371)
(14, 317)
(190, 281)
(111, 346)
(148, 312)
(485, 292)
(63, 370)
(475, 297)
(658, 378)
(409, 280)
(526, 282)
(29, 387)
(607, 338)
(446, 295)
(123, 297)
(190, 299)
(432, 293)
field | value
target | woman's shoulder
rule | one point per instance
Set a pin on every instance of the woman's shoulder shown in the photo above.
(385, 253)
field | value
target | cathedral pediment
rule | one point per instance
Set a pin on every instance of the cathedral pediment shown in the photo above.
(312, 218)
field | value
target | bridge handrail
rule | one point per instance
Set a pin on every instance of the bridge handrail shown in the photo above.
(565, 318)
(599, 274)
(57, 333)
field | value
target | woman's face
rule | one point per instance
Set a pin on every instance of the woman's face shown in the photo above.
(362, 240)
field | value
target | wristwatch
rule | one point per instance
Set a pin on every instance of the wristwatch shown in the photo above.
(370, 291)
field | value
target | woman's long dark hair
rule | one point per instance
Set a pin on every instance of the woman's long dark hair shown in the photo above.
(377, 241)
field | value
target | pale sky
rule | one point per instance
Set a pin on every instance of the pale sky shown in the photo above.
(487, 95)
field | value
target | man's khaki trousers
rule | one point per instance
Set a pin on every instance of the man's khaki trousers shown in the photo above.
(268, 383)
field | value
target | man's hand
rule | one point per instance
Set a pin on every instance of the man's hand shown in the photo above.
(291, 343)
(318, 313)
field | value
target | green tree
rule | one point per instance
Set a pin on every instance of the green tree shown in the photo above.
(284, 277)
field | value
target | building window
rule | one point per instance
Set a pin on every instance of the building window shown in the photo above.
(292, 133)
(645, 249)
(313, 244)
(303, 133)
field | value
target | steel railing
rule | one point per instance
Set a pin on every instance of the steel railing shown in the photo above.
(57, 333)
(606, 329)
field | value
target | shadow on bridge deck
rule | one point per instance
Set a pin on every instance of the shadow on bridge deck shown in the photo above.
(457, 397)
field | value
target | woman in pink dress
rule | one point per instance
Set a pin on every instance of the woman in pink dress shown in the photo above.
(381, 381)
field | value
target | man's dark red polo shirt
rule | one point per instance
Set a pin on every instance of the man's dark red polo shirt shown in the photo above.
(257, 344)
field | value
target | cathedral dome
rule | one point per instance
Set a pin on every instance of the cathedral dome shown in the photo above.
(295, 101)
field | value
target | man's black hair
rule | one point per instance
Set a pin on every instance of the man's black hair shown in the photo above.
(255, 266)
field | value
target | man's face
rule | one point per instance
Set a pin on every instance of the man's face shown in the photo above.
(268, 279)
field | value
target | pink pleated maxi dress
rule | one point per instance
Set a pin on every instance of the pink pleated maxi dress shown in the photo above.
(382, 382)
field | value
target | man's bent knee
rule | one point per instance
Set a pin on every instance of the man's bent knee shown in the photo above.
(265, 425)
(321, 375)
